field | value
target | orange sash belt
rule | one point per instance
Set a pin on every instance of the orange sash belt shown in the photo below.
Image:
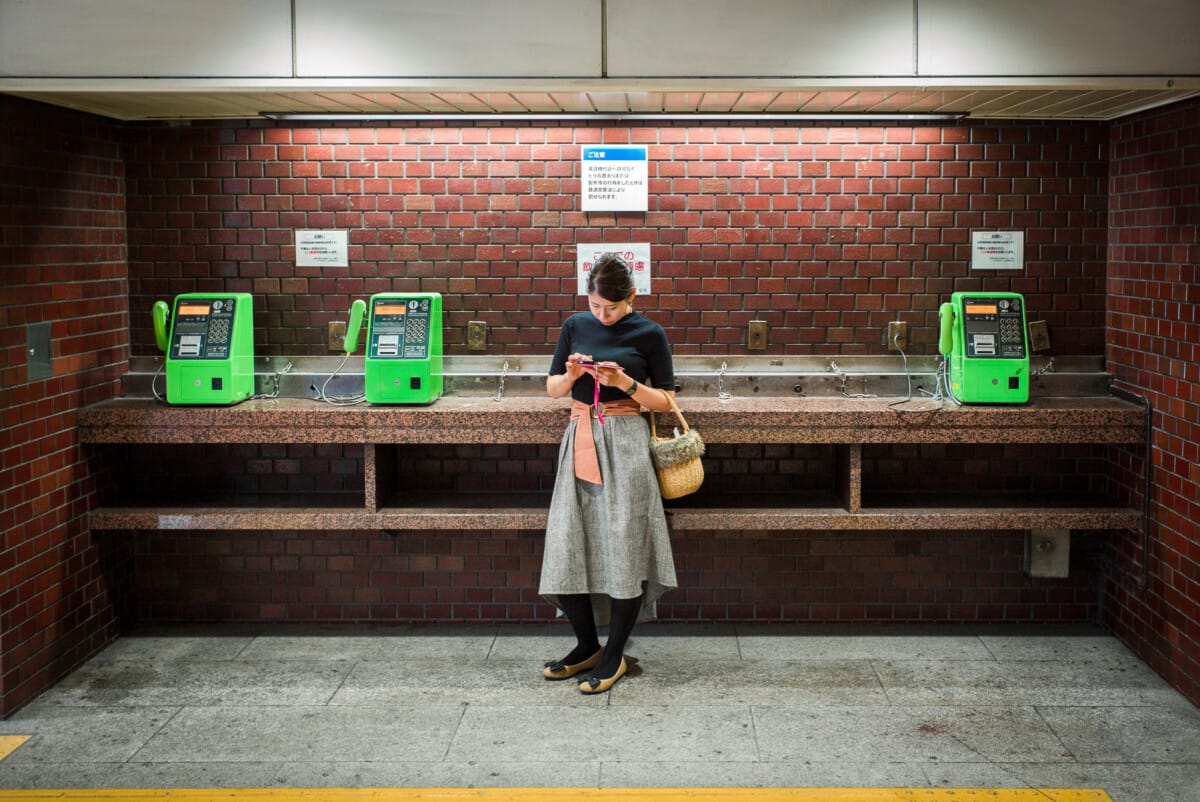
(587, 464)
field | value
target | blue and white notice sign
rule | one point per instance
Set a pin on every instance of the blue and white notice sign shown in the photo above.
(614, 178)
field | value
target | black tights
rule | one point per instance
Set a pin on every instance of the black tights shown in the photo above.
(578, 609)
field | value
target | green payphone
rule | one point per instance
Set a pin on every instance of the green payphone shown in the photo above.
(983, 339)
(208, 339)
(403, 362)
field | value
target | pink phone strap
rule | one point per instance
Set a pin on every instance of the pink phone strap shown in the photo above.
(596, 397)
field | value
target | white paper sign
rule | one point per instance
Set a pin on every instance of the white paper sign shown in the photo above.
(322, 249)
(615, 178)
(997, 250)
(635, 254)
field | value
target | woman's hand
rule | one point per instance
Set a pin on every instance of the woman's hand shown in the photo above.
(610, 374)
(574, 367)
(559, 385)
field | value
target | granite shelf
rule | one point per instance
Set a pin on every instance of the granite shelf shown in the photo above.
(745, 521)
(844, 423)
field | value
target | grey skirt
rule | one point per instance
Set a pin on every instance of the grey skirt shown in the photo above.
(610, 540)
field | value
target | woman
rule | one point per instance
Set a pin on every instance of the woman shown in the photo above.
(608, 553)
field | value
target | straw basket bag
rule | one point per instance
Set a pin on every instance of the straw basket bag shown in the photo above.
(677, 459)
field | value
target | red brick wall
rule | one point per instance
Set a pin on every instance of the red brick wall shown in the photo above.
(1154, 350)
(451, 576)
(62, 258)
(824, 232)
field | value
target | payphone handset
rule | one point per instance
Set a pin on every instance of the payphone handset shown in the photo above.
(208, 339)
(403, 360)
(983, 337)
(358, 310)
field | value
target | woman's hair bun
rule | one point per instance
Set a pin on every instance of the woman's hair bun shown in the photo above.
(611, 278)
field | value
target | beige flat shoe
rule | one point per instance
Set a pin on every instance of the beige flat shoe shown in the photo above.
(593, 684)
(556, 669)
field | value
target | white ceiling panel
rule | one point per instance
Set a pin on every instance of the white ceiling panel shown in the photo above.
(742, 38)
(136, 38)
(403, 38)
(1066, 37)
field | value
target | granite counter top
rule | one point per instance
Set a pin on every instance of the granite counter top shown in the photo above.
(481, 419)
(746, 521)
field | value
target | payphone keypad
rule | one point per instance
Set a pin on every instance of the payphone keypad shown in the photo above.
(1010, 322)
(417, 331)
(218, 330)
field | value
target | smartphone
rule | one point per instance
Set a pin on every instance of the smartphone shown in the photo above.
(587, 363)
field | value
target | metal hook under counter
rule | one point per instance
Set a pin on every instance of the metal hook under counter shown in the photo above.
(503, 376)
(722, 394)
(843, 376)
(1044, 369)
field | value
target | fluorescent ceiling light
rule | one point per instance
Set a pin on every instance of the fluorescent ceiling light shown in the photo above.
(370, 116)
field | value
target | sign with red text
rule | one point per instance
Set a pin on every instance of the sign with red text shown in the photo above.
(635, 254)
(615, 178)
(997, 250)
(322, 249)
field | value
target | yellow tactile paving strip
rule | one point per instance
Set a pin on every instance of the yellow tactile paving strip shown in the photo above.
(572, 795)
(9, 744)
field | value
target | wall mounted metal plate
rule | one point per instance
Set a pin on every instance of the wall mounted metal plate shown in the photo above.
(39, 361)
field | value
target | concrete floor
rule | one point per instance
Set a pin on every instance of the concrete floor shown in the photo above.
(704, 706)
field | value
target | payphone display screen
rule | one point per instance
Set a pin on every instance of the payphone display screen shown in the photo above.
(400, 328)
(202, 329)
(994, 327)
